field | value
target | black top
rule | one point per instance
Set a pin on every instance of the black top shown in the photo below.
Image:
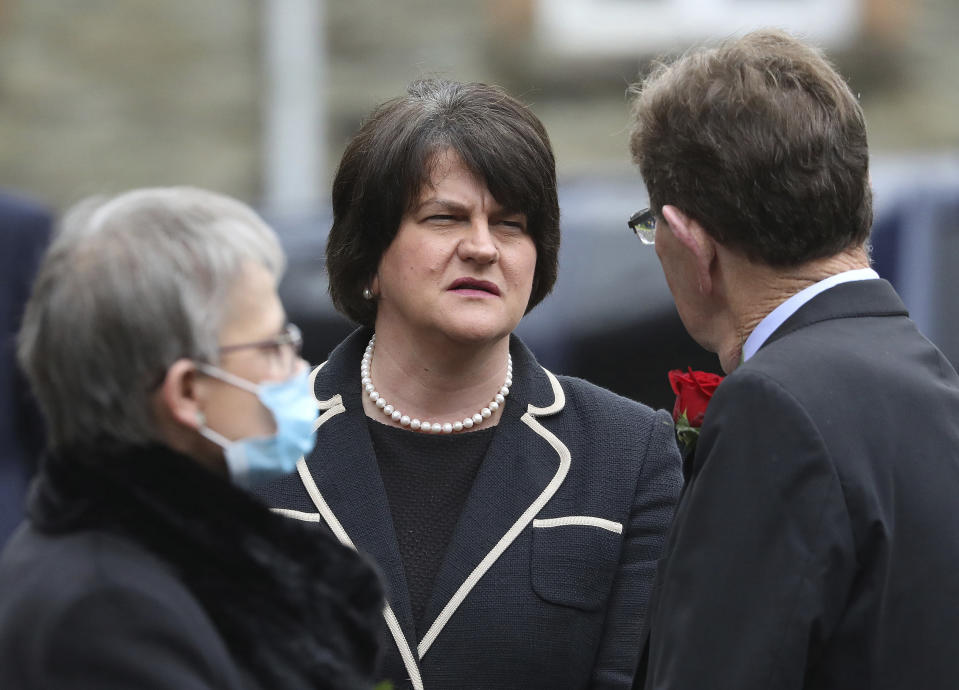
(427, 479)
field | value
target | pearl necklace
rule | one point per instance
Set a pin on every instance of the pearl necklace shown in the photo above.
(435, 427)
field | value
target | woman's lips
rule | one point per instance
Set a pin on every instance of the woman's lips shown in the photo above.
(474, 287)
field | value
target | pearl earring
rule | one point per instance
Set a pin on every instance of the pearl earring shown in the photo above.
(367, 293)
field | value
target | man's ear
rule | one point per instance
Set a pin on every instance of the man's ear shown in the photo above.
(179, 394)
(700, 244)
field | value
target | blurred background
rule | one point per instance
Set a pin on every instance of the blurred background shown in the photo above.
(257, 99)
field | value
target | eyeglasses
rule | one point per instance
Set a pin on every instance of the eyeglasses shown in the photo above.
(285, 347)
(643, 223)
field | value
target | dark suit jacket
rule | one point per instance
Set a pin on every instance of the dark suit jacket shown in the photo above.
(817, 542)
(24, 233)
(547, 574)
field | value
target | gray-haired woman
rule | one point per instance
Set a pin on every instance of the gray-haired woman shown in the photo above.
(159, 351)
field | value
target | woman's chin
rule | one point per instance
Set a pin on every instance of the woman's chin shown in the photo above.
(477, 331)
(467, 326)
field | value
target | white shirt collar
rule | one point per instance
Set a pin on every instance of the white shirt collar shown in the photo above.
(778, 316)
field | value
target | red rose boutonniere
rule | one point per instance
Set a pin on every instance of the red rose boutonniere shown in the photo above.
(693, 391)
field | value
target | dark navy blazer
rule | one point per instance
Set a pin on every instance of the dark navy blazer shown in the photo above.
(547, 575)
(817, 541)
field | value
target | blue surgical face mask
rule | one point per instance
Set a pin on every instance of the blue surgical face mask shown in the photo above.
(253, 461)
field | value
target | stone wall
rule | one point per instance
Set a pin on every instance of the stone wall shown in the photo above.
(99, 95)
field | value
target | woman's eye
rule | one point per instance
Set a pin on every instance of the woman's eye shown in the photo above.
(514, 224)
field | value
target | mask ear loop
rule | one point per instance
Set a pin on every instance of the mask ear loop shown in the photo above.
(208, 433)
(227, 377)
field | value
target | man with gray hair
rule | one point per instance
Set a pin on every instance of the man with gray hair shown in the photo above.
(815, 542)
(159, 352)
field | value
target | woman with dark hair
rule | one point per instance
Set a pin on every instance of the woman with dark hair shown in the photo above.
(517, 516)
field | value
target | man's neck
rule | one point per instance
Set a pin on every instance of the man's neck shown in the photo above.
(754, 290)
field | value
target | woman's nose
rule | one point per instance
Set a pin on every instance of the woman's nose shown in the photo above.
(479, 244)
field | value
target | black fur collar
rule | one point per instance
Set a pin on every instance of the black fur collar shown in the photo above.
(296, 608)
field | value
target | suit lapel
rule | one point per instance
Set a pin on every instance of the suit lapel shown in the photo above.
(350, 483)
(345, 485)
(523, 468)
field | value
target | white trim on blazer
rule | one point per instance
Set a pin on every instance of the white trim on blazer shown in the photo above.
(334, 406)
(529, 418)
(582, 520)
(298, 514)
(391, 621)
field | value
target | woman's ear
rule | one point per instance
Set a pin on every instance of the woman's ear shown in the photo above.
(697, 241)
(179, 394)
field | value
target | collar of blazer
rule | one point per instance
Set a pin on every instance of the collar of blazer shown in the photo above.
(525, 466)
(843, 301)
